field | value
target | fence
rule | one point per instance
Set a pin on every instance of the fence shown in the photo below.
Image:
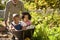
(48, 10)
(1, 13)
(43, 11)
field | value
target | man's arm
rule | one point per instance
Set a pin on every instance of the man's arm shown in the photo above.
(6, 13)
(22, 7)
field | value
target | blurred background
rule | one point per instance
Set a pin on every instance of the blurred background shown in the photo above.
(45, 16)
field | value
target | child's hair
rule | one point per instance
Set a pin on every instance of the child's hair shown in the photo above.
(15, 15)
(26, 13)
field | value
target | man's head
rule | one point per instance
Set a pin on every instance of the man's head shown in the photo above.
(14, 1)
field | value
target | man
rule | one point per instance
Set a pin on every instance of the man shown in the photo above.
(13, 6)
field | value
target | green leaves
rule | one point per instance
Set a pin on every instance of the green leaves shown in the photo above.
(47, 27)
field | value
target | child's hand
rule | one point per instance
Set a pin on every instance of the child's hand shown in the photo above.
(13, 29)
(24, 28)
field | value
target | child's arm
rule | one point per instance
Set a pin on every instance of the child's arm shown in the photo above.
(29, 23)
(11, 28)
(23, 28)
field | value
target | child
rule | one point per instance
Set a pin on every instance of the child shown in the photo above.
(15, 24)
(26, 17)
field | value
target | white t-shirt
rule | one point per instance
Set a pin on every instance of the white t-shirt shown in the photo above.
(11, 26)
(23, 23)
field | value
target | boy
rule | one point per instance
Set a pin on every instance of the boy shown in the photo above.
(15, 26)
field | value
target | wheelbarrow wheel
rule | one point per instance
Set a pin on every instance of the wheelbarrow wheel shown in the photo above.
(13, 38)
(27, 38)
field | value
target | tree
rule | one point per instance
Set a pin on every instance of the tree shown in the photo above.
(0, 1)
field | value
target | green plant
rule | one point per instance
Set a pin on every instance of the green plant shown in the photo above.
(47, 26)
(1, 19)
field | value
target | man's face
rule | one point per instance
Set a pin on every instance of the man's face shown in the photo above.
(15, 1)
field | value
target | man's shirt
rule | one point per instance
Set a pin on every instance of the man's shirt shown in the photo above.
(11, 9)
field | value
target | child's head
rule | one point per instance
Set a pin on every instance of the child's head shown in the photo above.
(16, 17)
(26, 16)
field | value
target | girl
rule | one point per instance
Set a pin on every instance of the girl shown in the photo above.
(26, 17)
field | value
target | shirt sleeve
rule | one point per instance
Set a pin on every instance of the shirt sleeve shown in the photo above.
(11, 27)
(7, 11)
(23, 24)
(22, 7)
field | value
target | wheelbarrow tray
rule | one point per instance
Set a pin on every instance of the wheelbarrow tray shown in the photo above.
(25, 33)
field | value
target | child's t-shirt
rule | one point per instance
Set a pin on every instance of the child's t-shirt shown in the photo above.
(23, 23)
(28, 23)
(16, 26)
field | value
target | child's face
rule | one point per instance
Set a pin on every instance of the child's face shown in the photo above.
(17, 19)
(26, 18)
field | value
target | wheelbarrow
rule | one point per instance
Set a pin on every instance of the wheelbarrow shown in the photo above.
(4, 35)
(25, 34)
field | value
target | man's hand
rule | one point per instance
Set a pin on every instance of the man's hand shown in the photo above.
(6, 23)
